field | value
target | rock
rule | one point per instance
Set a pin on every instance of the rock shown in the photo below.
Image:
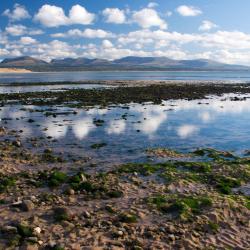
(171, 237)
(83, 178)
(32, 239)
(47, 151)
(27, 205)
(75, 246)
(10, 229)
(70, 191)
(245, 190)
(2, 130)
(214, 217)
(16, 143)
(118, 233)
(62, 214)
(37, 230)
(40, 242)
(86, 214)
(68, 224)
(29, 247)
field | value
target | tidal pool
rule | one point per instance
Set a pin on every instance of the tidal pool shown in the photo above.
(122, 133)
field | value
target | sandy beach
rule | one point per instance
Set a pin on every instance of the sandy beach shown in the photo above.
(14, 70)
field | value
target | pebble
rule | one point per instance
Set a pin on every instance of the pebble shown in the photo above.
(37, 230)
(27, 205)
(16, 143)
(86, 214)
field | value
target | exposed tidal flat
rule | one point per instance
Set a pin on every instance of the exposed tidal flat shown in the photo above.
(163, 166)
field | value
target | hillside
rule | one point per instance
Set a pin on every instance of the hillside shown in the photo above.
(126, 63)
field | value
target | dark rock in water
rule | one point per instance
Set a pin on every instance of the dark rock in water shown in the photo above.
(48, 151)
(16, 143)
(2, 130)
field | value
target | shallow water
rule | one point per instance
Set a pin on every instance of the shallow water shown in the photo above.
(128, 130)
(239, 76)
(41, 88)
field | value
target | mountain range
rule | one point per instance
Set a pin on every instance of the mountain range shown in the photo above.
(125, 63)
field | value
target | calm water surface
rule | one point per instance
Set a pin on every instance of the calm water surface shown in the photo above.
(124, 75)
(130, 129)
(41, 88)
(27, 78)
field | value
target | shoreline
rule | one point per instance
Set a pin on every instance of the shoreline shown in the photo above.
(131, 83)
(14, 71)
(125, 94)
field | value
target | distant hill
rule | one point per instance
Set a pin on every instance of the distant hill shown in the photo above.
(125, 63)
(24, 61)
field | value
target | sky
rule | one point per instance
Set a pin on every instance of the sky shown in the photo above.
(111, 29)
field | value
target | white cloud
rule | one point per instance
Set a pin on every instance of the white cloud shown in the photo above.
(185, 10)
(152, 5)
(207, 25)
(79, 15)
(27, 40)
(19, 12)
(20, 30)
(107, 44)
(114, 15)
(147, 18)
(87, 33)
(3, 38)
(53, 16)
(16, 30)
(224, 40)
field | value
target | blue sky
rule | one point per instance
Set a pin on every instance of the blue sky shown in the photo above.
(110, 29)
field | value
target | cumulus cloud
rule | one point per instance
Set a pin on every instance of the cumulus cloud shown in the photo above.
(147, 18)
(207, 25)
(20, 30)
(3, 38)
(53, 16)
(107, 44)
(185, 10)
(114, 15)
(16, 30)
(152, 5)
(18, 13)
(223, 40)
(87, 33)
(79, 15)
(27, 40)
